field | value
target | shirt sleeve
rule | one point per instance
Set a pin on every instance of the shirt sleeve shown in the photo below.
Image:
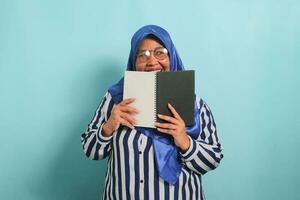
(205, 152)
(95, 145)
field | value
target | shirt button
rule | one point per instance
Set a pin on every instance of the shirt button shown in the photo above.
(141, 181)
(140, 152)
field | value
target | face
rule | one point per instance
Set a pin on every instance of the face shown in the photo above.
(146, 61)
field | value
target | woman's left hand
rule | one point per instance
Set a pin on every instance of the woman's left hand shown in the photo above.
(175, 128)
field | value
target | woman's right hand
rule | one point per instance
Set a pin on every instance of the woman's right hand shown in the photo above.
(121, 115)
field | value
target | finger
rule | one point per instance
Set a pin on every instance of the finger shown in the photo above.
(128, 118)
(129, 109)
(166, 126)
(174, 112)
(126, 123)
(167, 131)
(168, 118)
(127, 101)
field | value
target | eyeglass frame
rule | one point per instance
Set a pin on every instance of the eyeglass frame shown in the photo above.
(143, 55)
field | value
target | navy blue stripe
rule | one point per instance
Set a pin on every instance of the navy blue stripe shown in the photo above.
(203, 125)
(201, 192)
(111, 163)
(183, 185)
(196, 185)
(126, 163)
(117, 149)
(193, 149)
(107, 179)
(212, 154)
(96, 157)
(146, 169)
(94, 125)
(176, 188)
(197, 167)
(190, 185)
(91, 145)
(99, 133)
(106, 151)
(86, 135)
(210, 140)
(136, 166)
(217, 149)
(205, 161)
(114, 184)
(167, 190)
(109, 109)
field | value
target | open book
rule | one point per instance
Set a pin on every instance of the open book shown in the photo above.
(154, 90)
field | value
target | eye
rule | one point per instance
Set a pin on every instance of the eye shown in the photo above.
(158, 53)
(147, 53)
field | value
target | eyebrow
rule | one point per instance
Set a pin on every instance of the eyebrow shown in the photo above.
(150, 50)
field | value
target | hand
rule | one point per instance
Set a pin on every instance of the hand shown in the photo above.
(175, 128)
(120, 115)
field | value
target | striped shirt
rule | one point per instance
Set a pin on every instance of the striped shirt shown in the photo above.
(131, 171)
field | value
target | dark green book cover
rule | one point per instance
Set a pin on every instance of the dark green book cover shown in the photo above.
(178, 89)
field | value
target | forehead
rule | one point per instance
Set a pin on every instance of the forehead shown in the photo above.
(149, 44)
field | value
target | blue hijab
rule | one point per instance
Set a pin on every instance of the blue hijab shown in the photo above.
(166, 153)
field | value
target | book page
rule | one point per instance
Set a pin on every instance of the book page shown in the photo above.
(141, 86)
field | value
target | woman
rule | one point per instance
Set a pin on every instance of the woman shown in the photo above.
(143, 163)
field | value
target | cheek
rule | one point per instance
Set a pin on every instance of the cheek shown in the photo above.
(166, 65)
(139, 66)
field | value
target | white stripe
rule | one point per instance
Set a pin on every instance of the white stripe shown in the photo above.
(210, 148)
(199, 162)
(172, 187)
(192, 180)
(111, 182)
(186, 187)
(180, 185)
(122, 160)
(103, 110)
(142, 147)
(92, 155)
(131, 163)
(151, 173)
(199, 186)
(105, 107)
(198, 102)
(101, 150)
(206, 155)
(161, 188)
(213, 128)
(116, 167)
(107, 179)
(205, 129)
(88, 141)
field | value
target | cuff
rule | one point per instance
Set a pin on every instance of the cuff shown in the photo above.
(101, 138)
(191, 152)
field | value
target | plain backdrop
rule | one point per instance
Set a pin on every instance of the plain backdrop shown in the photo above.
(57, 59)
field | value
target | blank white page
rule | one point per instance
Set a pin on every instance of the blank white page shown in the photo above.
(141, 86)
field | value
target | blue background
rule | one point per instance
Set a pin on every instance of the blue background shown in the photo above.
(57, 59)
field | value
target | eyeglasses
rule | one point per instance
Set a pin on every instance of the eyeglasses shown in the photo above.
(159, 53)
